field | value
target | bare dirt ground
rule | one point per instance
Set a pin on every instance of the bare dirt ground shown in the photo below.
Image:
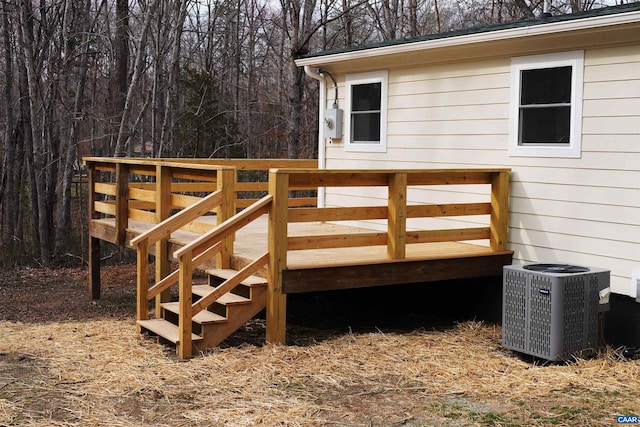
(68, 361)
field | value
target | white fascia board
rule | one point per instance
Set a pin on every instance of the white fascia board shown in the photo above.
(593, 23)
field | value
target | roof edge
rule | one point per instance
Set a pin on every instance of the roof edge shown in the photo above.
(615, 15)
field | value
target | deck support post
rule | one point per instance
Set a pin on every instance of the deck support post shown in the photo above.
(226, 179)
(94, 242)
(122, 202)
(499, 223)
(397, 216)
(278, 219)
(142, 282)
(185, 297)
(163, 209)
(94, 267)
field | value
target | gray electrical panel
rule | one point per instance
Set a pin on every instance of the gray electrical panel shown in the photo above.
(332, 127)
(551, 310)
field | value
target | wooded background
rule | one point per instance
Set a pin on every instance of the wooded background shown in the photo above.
(175, 78)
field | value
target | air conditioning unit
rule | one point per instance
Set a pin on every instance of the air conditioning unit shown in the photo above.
(551, 310)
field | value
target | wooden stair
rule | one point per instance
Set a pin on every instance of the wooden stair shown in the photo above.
(211, 326)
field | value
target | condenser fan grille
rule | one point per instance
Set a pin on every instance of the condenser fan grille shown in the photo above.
(556, 268)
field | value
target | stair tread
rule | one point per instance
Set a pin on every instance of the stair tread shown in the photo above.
(203, 317)
(226, 273)
(227, 299)
(165, 329)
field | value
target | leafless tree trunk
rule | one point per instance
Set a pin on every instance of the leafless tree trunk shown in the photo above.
(121, 66)
(68, 152)
(166, 135)
(39, 125)
(8, 193)
(299, 14)
(124, 131)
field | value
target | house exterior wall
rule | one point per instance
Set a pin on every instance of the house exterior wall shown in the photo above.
(578, 210)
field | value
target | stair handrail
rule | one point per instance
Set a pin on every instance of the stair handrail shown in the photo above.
(226, 228)
(161, 231)
(175, 222)
(188, 255)
(172, 278)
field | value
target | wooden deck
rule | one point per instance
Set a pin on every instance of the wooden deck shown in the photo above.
(191, 212)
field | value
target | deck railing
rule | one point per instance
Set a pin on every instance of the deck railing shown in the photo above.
(395, 213)
(151, 190)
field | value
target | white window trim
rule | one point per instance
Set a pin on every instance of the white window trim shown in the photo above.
(576, 60)
(366, 78)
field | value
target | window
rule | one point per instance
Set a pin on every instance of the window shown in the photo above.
(366, 118)
(546, 105)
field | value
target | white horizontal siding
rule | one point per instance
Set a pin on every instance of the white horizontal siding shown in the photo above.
(585, 211)
(445, 127)
(628, 179)
(626, 234)
(624, 215)
(578, 193)
(622, 70)
(619, 107)
(615, 123)
(456, 98)
(455, 113)
(620, 144)
(621, 89)
(575, 243)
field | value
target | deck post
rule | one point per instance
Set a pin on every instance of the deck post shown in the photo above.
(397, 216)
(278, 219)
(122, 202)
(499, 211)
(226, 178)
(142, 281)
(94, 242)
(185, 297)
(163, 208)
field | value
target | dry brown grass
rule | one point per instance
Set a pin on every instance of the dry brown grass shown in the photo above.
(100, 373)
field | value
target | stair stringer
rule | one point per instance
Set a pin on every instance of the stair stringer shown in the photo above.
(237, 316)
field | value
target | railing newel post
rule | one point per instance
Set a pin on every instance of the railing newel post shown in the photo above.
(499, 222)
(278, 219)
(163, 209)
(185, 306)
(397, 216)
(226, 182)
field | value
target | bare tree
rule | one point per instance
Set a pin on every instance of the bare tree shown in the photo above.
(8, 193)
(124, 131)
(77, 44)
(166, 134)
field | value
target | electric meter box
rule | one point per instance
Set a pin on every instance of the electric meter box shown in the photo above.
(332, 127)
